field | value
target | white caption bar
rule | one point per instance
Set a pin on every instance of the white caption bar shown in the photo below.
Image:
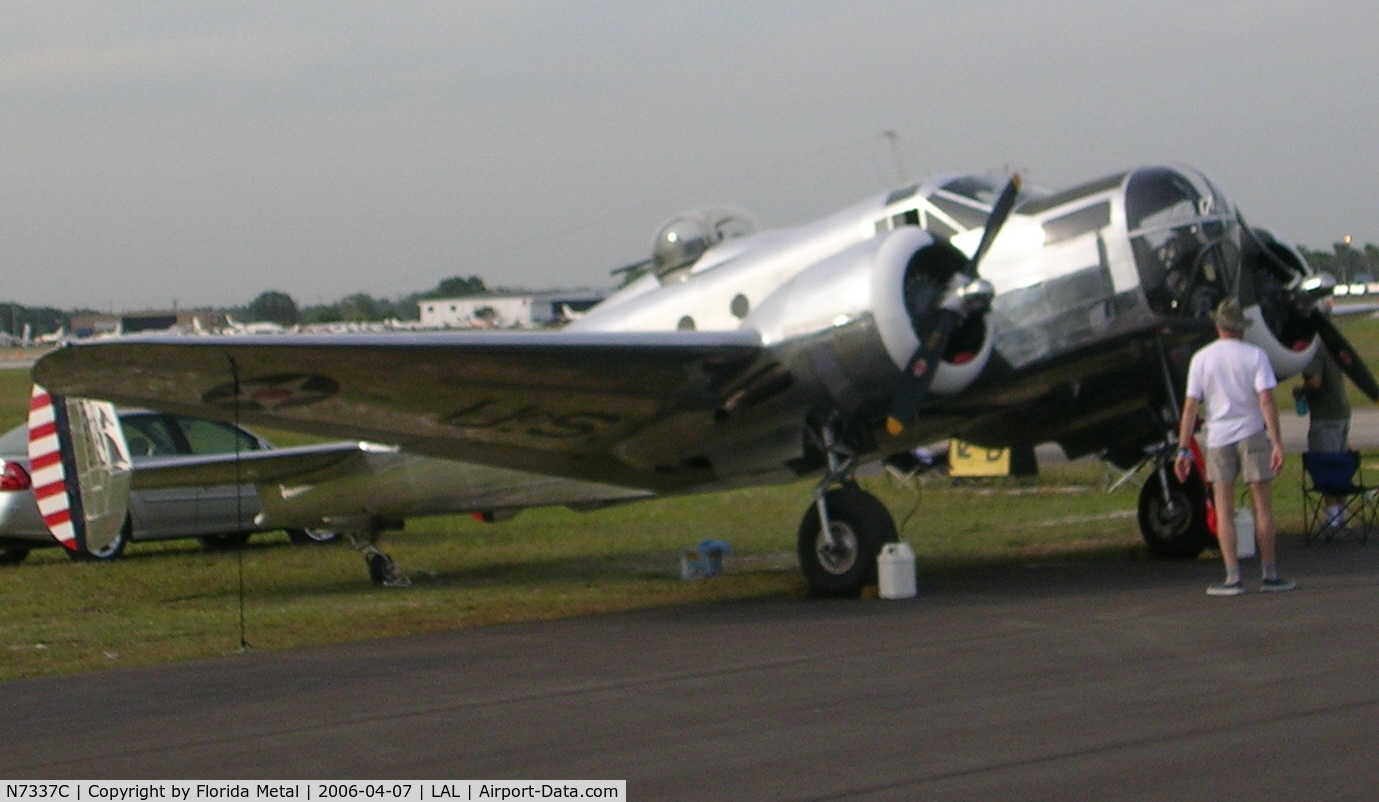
(329, 791)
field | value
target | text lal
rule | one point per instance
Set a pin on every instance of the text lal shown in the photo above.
(543, 791)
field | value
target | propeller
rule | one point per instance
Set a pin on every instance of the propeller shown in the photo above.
(1304, 294)
(967, 292)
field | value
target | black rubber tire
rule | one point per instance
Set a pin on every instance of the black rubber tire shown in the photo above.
(312, 537)
(11, 554)
(861, 526)
(380, 567)
(1180, 533)
(228, 541)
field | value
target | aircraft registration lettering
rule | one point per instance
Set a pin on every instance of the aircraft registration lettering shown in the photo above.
(531, 420)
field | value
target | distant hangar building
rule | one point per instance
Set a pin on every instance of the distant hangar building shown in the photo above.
(88, 325)
(507, 310)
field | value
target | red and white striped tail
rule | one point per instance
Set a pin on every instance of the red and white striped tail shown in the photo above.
(55, 499)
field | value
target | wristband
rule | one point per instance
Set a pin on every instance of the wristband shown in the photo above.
(1184, 452)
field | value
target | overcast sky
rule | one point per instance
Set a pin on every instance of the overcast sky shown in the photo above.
(201, 153)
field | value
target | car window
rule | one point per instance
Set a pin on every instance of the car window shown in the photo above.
(210, 437)
(148, 436)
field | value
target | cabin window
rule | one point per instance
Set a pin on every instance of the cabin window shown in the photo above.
(739, 306)
(1075, 224)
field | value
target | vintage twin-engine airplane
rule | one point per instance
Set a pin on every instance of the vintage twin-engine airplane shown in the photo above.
(962, 306)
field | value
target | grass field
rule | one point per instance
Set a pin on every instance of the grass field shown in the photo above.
(173, 601)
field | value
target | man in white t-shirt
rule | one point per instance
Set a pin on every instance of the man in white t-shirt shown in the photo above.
(1232, 383)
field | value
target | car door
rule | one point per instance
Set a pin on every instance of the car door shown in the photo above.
(221, 509)
(165, 512)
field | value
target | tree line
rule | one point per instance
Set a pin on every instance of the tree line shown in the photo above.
(274, 306)
(1346, 262)
(270, 306)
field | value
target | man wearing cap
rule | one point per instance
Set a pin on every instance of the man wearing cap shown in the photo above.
(1232, 383)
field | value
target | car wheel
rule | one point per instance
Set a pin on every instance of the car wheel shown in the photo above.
(111, 551)
(13, 555)
(311, 536)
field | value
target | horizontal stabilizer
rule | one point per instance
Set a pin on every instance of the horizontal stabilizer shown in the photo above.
(313, 463)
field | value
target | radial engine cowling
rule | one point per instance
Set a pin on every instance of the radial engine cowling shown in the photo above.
(869, 302)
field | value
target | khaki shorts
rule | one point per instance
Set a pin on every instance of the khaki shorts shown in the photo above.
(1247, 459)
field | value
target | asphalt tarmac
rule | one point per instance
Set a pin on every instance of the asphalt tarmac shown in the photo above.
(1107, 678)
(1104, 679)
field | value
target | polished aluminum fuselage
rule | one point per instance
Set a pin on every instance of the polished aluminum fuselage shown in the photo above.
(712, 374)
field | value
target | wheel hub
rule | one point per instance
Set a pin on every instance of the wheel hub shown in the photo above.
(839, 557)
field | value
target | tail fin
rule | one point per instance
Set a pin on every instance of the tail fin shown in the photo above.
(81, 469)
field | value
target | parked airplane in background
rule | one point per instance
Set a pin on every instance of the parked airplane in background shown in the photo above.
(963, 306)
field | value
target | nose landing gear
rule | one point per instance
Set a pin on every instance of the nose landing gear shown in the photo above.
(842, 533)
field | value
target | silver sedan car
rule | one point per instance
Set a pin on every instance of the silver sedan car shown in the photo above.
(221, 516)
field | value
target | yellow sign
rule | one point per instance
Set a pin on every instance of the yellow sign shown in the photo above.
(966, 459)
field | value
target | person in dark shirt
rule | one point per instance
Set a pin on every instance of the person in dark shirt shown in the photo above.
(1328, 424)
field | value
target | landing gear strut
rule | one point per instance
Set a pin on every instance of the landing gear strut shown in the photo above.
(843, 531)
(1173, 514)
(382, 570)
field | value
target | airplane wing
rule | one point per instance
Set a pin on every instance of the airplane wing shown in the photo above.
(1354, 308)
(594, 406)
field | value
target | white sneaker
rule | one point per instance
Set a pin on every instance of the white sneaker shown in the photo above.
(1226, 589)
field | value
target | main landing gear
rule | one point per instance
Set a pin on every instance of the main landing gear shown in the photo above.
(843, 532)
(364, 538)
(1173, 514)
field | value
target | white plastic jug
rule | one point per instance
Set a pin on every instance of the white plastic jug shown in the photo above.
(1244, 534)
(895, 571)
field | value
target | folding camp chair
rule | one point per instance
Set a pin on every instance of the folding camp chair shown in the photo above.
(1337, 477)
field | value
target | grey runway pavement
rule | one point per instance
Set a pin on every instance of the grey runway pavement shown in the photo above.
(1103, 679)
(1364, 429)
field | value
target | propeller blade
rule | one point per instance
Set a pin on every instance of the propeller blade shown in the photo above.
(1281, 271)
(919, 374)
(999, 213)
(1345, 355)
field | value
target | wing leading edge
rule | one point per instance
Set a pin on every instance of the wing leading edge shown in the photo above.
(605, 407)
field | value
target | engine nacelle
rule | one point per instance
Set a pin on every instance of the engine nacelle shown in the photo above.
(1286, 359)
(892, 283)
(1283, 290)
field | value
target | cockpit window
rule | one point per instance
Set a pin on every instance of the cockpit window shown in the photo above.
(974, 187)
(968, 200)
(961, 211)
(1160, 199)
